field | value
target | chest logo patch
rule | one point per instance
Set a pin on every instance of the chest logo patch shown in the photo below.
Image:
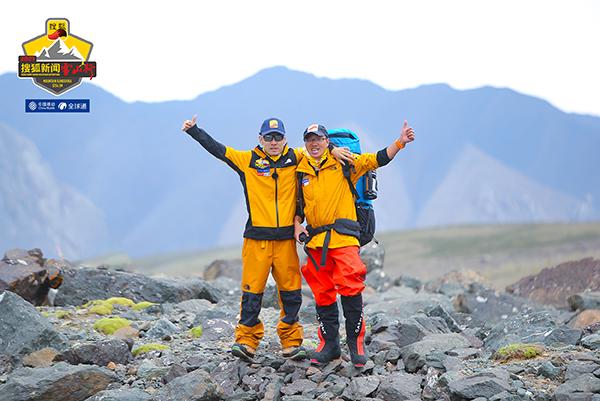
(262, 164)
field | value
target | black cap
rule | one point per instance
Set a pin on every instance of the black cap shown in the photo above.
(316, 129)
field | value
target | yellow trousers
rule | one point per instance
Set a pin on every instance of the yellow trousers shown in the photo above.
(259, 258)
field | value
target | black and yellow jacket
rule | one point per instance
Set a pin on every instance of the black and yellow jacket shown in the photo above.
(327, 195)
(269, 186)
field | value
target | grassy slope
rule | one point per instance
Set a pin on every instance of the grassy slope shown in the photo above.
(502, 253)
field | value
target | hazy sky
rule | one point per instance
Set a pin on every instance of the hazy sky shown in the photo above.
(164, 50)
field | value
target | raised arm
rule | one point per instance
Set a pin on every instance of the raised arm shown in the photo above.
(214, 147)
(371, 161)
(236, 159)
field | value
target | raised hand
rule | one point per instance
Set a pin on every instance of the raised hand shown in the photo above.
(187, 124)
(408, 134)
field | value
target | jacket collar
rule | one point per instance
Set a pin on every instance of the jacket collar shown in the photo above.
(308, 164)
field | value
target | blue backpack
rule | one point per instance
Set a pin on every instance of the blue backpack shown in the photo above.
(366, 188)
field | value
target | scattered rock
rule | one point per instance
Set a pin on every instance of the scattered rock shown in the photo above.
(592, 341)
(586, 318)
(472, 387)
(41, 359)
(61, 382)
(23, 329)
(537, 327)
(28, 274)
(361, 387)
(415, 355)
(488, 306)
(196, 386)
(148, 370)
(552, 286)
(400, 386)
(122, 394)
(82, 285)
(162, 328)
(99, 353)
(585, 383)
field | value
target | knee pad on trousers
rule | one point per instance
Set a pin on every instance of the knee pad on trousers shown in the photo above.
(251, 304)
(291, 302)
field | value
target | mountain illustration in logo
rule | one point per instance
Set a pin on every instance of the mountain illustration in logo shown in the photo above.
(59, 51)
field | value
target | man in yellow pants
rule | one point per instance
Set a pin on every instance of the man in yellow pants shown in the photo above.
(268, 176)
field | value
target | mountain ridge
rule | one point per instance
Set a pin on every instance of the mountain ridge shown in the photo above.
(134, 163)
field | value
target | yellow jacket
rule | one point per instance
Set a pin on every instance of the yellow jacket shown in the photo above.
(327, 195)
(269, 186)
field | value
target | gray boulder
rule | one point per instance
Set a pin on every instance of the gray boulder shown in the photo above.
(301, 386)
(81, 285)
(361, 387)
(29, 275)
(592, 341)
(23, 329)
(148, 370)
(162, 328)
(415, 355)
(406, 331)
(536, 327)
(99, 353)
(216, 330)
(585, 383)
(486, 305)
(61, 382)
(400, 386)
(477, 386)
(195, 386)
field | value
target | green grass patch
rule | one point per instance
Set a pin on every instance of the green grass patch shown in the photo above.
(109, 325)
(518, 351)
(142, 305)
(142, 349)
(196, 332)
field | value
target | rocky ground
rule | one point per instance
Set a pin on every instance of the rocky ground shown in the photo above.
(114, 335)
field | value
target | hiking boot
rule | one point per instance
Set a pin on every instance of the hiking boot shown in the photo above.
(329, 325)
(243, 351)
(355, 329)
(294, 353)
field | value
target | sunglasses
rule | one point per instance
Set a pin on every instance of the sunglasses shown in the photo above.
(270, 137)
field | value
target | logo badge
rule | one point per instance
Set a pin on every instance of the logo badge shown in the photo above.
(273, 124)
(57, 60)
(262, 163)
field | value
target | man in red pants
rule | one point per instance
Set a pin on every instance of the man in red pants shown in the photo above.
(334, 266)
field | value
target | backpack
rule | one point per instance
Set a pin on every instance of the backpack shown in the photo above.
(366, 188)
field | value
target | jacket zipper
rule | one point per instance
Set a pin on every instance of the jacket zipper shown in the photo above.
(275, 177)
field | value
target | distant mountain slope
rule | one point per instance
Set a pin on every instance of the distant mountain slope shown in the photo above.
(479, 189)
(36, 210)
(160, 191)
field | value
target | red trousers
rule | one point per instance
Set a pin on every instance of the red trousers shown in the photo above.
(343, 273)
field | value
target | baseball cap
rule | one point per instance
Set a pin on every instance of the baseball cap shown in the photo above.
(272, 125)
(316, 129)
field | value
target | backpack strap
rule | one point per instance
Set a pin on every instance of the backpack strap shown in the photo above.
(347, 173)
(300, 196)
